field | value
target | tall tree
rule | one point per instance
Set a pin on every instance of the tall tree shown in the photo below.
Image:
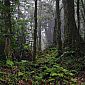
(7, 21)
(83, 13)
(2, 42)
(72, 38)
(78, 22)
(78, 15)
(35, 32)
(57, 29)
(39, 22)
(70, 25)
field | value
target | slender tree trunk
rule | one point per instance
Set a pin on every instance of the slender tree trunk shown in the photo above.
(54, 34)
(83, 15)
(7, 20)
(78, 15)
(35, 32)
(39, 31)
(83, 6)
(78, 27)
(57, 30)
(2, 41)
(59, 42)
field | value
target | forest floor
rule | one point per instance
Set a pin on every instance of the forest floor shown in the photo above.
(45, 68)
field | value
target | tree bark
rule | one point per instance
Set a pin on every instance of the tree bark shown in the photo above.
(35, 32)
(72, 38)
(57, 30)
(83, 15)
(78, 15)
(8, 30)
(39, 31)
(70, 29)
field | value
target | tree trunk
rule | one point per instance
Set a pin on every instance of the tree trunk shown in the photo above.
(39, 31)
(2, 41)
(35, 32)
(70, 29)
(7, 20)
(83, 15)
(78, 15)
(72, 38)
(57, 30)
(83, 6)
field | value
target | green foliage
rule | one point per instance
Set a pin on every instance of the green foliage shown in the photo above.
(69, 59)
(9, 62)
(1, 75)
(55, 72)
(1, 5)
(44, 68)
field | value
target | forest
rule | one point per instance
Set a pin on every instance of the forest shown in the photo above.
(42, 42)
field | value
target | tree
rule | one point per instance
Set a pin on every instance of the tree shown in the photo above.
(8, 30)
(83, 13)
(78, 14)
(72, 38)
(39, 22)
(2, 42)
(57, 29)
(35, 32)
(70, 25)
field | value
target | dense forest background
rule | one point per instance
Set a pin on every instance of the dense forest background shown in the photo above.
(42, 42)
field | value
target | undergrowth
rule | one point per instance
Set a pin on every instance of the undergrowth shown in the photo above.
(45, 68)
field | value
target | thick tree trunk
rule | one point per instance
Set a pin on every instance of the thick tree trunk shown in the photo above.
(69, 27)
(70, 31)
(72, 38)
